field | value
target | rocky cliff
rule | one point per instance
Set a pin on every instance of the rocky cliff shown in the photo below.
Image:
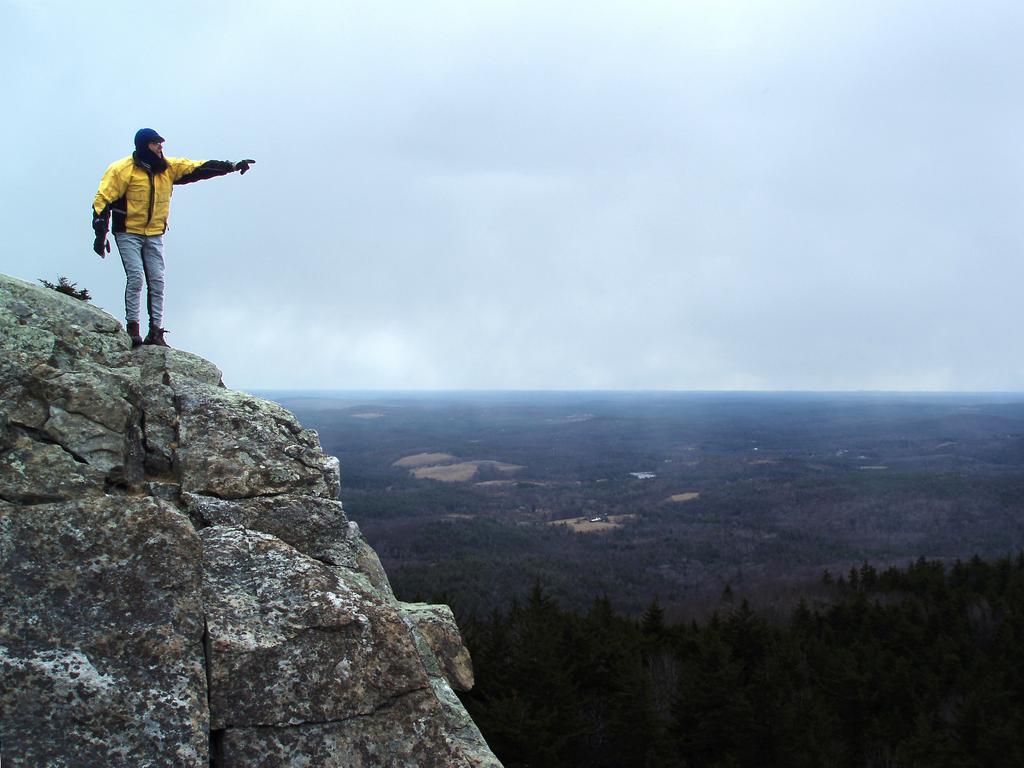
(180, 584)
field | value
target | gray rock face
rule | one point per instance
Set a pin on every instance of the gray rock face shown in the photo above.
(314, 526)
(180, 585)
(291, 642)
(408, 734)
(33, 471)
(232, 445)
(436, 626)
(67, 382)
(101, 634)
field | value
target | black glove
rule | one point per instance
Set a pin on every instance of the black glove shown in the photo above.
(100, 244)
(243, 165)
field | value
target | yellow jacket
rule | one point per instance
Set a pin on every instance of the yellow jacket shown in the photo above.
(140, 199)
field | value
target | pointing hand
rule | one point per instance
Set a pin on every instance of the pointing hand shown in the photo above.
(243, 165)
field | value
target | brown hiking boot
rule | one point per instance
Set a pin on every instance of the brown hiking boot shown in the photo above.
(133, 332)
(155, 337)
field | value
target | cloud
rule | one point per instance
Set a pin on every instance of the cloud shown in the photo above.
(522, 194)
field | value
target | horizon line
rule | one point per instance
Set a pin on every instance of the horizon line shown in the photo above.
(626, 391)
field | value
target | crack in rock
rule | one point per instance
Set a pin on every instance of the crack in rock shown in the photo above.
(384, 706)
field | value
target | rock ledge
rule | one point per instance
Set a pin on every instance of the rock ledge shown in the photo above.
(181, 585)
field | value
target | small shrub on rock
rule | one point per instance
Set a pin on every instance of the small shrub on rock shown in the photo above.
(64, 285)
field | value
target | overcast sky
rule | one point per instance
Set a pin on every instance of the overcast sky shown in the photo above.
(699, 194)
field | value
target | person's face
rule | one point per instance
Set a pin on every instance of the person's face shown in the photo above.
(157, 148)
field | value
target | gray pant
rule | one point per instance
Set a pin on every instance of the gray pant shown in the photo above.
(143, 258)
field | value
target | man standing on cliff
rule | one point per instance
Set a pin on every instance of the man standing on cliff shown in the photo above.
(137, 190)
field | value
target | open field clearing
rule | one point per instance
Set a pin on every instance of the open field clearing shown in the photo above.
(461, 472)
(423, 460)
(683, 497)
(589, 525)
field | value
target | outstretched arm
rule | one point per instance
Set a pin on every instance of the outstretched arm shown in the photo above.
(197, 171)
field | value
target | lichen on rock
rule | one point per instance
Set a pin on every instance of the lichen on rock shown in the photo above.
(101, 634)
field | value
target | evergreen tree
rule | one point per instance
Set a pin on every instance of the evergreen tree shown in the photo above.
(920, 666)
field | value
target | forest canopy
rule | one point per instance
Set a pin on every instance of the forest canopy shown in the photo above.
(919, 666)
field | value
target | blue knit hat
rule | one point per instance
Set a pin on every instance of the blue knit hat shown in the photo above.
(145, 136)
